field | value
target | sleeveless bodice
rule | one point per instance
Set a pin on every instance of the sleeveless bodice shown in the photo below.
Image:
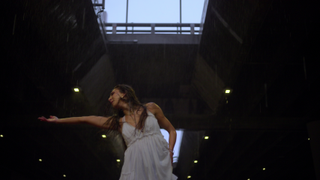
(131, 134)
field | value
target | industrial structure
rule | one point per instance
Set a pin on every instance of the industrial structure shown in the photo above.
(241, 84)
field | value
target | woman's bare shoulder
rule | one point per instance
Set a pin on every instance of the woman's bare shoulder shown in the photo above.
(152, 107)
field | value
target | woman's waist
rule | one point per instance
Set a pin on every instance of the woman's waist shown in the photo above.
(145, 136)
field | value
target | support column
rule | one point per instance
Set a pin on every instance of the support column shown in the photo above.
(152, 28)
(192, 29)
(114, 28)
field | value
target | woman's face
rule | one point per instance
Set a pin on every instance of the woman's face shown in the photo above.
(115, 97)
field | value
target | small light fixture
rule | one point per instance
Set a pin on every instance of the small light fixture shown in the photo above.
(308, 139)
(248, 179)
(64, 175)
(40, 160)
(206, 137)
(104, 136)
(118, 160)
(195, 161)
(227, 91)
(189, 177)
(76, 89)
(263, 169)
(1, 135)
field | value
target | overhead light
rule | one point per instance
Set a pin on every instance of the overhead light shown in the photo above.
(1, 135)
(76, 89)
(308, 139)
(263, 169)
(206, 137)
(248, 179)
(40, 160)
(104, 136)
(64, 175)
(118, 160)
(189, 177)
(195, 161)
(227, 90)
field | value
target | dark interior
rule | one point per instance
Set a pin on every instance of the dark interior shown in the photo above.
(265, 51)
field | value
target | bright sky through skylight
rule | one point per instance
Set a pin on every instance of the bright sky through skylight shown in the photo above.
(154, 11)
(176, 148)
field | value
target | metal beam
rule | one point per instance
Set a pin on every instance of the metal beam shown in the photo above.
(152, 39)
(156, 24)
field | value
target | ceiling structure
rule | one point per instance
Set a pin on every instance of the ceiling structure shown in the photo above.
(265, 51)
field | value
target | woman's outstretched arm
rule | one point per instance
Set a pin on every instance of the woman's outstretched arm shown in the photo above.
(98, 121)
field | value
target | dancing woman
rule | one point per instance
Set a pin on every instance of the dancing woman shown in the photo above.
(148, 156)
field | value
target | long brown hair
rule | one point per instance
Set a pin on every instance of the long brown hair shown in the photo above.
(133, 102)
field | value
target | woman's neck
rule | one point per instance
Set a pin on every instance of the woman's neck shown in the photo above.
(130, 111)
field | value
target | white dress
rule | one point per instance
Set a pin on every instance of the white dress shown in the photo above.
(147, 156)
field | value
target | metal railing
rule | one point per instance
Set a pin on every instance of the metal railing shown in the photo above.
(152, 28)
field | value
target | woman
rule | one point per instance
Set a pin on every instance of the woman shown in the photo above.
(148, 156)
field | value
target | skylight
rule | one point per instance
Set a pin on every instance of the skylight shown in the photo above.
(146, 11)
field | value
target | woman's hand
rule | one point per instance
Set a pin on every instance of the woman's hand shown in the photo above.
(51, 119)
(171, 156)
